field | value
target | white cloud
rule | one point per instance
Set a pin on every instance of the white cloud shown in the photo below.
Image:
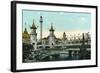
(83, 19)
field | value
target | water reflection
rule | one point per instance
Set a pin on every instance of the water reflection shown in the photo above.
(64, 57)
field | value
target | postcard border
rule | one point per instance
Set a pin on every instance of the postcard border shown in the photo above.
(13, 34)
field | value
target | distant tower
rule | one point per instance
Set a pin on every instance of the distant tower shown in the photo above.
(41, 22)
(51, 37)
(83, 48)
(64, 39)
(64, 35)
(33, 35)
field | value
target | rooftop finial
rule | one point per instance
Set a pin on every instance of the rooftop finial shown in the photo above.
(51, 29)
(25, 30)
(33, 25)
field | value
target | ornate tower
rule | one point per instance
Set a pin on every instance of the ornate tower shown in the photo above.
(52, 37)
(41, 22)
(26, 36)
(33, 35)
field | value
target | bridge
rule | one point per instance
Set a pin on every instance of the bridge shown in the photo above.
(68, 50)
(72, 45)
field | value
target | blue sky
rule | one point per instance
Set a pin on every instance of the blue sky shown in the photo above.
(62, 21)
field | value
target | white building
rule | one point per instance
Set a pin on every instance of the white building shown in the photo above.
(33, 36)
(52, 37)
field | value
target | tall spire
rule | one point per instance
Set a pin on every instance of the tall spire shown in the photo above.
(25, 30)
(51, 29)
(33, 25)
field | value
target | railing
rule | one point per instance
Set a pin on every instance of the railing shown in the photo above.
(64, 45)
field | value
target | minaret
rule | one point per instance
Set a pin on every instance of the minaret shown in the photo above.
(51, 30)
(51, 37)
(33, 35)
(41, 22)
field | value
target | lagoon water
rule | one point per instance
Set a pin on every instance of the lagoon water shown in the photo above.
(65, 57)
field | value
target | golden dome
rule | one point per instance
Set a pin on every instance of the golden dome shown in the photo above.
(25, 35)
